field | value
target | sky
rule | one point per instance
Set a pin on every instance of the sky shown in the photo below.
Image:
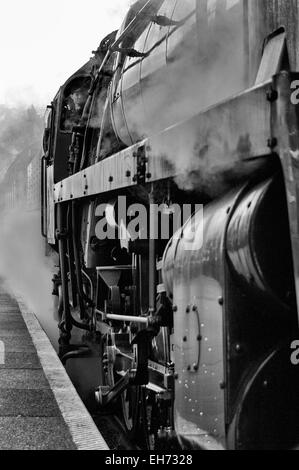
(42, 42)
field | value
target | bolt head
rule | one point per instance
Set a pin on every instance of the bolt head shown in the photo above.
(272, 95)
(222, 385)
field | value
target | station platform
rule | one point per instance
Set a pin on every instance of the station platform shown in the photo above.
(39, 406)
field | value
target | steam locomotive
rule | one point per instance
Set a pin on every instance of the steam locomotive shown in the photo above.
(190, 106)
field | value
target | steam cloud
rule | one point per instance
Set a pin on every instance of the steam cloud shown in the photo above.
(25, 268)
(202, 70)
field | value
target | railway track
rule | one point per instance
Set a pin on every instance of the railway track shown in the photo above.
(113, 431)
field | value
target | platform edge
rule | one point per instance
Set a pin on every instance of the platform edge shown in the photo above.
(81, 426)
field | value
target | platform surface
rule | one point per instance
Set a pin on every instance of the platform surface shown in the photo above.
(39, 407)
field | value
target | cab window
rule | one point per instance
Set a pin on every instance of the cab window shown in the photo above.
(74, 98)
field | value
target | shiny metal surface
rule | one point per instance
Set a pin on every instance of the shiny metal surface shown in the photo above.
(194, 280)
(258, 247)
(115, 172)
(169, 83)
(241, 243)
(286, 129)
(229, 36)
(267, 415)
(219, 139)
(264, 17)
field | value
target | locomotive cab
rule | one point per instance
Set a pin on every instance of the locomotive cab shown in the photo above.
(71, 101)
(67, 109)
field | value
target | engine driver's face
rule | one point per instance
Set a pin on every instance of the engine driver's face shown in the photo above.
(79, 98)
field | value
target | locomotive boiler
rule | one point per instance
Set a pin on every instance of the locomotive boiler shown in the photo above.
(170, 193)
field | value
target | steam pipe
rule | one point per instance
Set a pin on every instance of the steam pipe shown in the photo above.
(71, 260)
(43, 198)
(86, 122)
(135, 282)
(152, 256)
(61, 234)
(81, 326)
(77, 261)
(127, 31)
(90, 282)
(82, 351)
(131, 26)
(128, 318)
(143, 320)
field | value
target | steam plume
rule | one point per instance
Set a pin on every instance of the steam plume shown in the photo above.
(25, 268)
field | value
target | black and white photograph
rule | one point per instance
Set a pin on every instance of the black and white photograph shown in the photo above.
(149, 228)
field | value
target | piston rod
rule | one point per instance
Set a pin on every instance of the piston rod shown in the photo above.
(129, 318)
